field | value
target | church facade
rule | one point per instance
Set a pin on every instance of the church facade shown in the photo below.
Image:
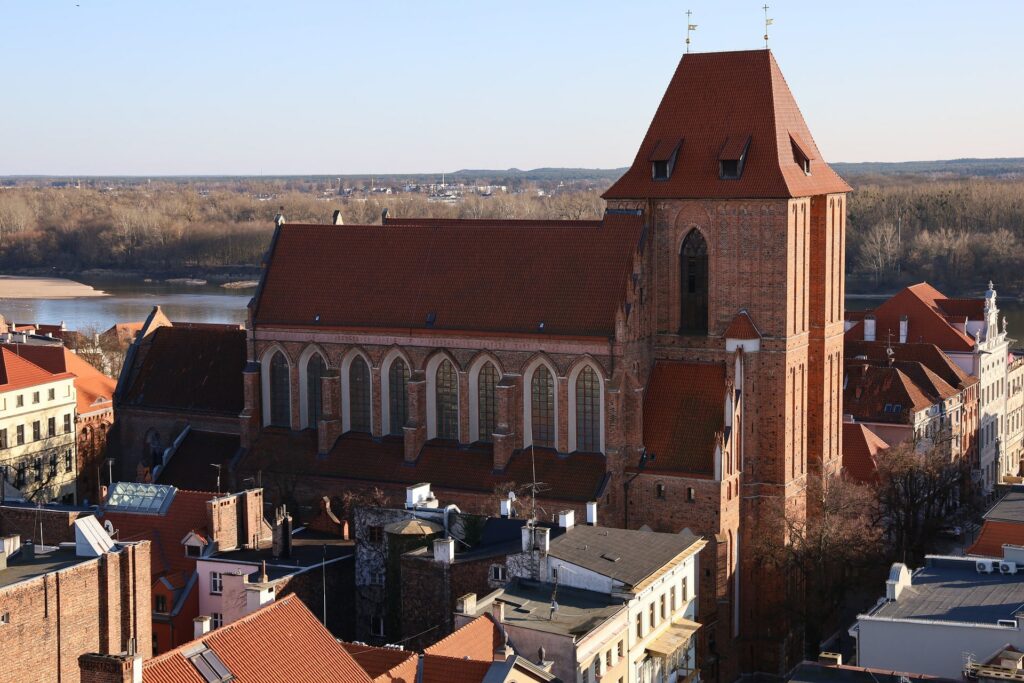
(679, 361)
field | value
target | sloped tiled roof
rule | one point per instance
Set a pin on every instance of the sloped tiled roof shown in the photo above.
(191, 368)
(452, 275)
(383, 664)
(577, 477)
(18, 373)
(870, 388)
(475, 640)
(95, 391)
(439, 669)
(742, 327)
(926, 320)
(718, 97)
(994, 535)
(280, 643)
(684, 408)
(191, 465)
(861, 447)
(929, 355)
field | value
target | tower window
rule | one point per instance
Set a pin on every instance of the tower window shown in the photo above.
(733, 157)
(660, 170)
(693, 280)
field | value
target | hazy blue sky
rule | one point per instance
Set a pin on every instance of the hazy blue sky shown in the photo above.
(183, 87)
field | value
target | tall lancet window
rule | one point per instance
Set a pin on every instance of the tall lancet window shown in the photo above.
(359, 395)
(314, 402)
(487, 402)
(542, 407)
(588, 411)
(280, 392)
(447, 401)
(693, 285)
(398, 396)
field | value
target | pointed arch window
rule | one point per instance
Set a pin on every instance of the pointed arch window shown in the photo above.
(447, 401)
(487, 410)
(359, 395)
(315, 367)
(280, 399)
(588, 411)
(398, 397)
(693, 285)
(542, 407)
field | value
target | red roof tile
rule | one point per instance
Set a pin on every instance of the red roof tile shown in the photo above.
(929, 355)
(684, 409)
(384, 665)
(742, 327)
(18, 373)
(466, 275)
(94, 389)
(993, 535)
(452, 670)
(972, 309)
(576, 477)
(282, 642)
(715, 101)
(870, 388)
(475, 640)
(191, 368)
(861, 447)
(926, 320)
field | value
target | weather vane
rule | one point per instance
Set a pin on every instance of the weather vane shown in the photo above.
(689, 27)
(767, 22)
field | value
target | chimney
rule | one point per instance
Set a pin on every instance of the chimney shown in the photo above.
(502, 651)
(336, 218)
(3, 560)
(121, 668)
(444, 550)
(282, 533)
(279, 218)
(536, 538)
(566, 519)
(498, 611)
(200, 626)
(904, 325)
(830, 658)
(592, 513)
(506, 508)
(869, 327)
(466, 604)
(28, 551)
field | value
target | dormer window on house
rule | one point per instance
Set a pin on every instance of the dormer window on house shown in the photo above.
(663, 158)
(801, 154)
(733, 157)
(194, 544)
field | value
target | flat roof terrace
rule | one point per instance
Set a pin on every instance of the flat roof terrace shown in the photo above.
(46, 559)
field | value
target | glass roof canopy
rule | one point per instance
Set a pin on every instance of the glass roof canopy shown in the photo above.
(130, 497)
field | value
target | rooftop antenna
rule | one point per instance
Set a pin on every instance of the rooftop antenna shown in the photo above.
(767, 22)
(217, 467)
(689, 27)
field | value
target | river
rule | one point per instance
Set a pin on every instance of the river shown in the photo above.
(132, 300)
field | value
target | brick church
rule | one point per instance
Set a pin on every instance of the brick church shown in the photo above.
(678, 361)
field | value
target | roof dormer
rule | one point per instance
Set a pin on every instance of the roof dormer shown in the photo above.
(733, 156)
(663, 158)
(801, 153)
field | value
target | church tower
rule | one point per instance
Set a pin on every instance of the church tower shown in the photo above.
(744, 270)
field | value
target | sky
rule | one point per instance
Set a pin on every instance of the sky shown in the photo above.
(182, 87)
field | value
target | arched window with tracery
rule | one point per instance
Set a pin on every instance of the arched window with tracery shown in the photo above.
(446, 400)
(588, 411)
(693, 285)
(487, 404)
(359, 395)
(542, 407)
(315, 367)
(398, 397)
(280, 392)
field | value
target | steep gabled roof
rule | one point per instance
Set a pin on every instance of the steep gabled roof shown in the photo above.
(684, 410)
(927, 321)
(475, 640)
(929, 355)
(554, 278)
(717, 101)
(280, 643)
(742, 327)
(870, 389)
(18, 373)
(95, 391)
(384, 664)
(861, 447)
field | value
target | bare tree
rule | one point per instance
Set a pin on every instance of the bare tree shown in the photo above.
(879, 252)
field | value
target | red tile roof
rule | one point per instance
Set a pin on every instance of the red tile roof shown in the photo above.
(453, 670)
(282, 642)
(684, 409)
(94, 389)
(466, 275)
(475, 640)
(870, 388)
(715, 102)
(18, 373)
(929, 355)
(357, 456)
(384, 665)
(926, 320)
(861, 447)
(191, 368)
(993, 535)
(742, 327)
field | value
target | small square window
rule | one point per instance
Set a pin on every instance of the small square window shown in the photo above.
(160, 604)
(216, 620)
(193, 551)
(5, 618)
(690, 495)
(659, 490)
(35, 397)
(374, 534)
(498, 572)
(729, 169)
(660, 170)
(20, 402)
(51, 394)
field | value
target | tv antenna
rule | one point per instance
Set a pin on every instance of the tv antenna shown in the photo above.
(689, 27)
(534, 487)
(767, 22)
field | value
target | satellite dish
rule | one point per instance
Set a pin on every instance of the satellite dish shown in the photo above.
(108, 527)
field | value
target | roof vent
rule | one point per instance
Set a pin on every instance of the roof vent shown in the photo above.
(733, 156)
(431, 318)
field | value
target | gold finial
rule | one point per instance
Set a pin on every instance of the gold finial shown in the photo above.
(689, 27)
(767, 22)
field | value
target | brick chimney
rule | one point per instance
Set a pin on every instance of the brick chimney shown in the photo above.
(97, 668)
(201, 626)
(282, 533)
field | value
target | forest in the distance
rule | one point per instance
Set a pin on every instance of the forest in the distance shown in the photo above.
(955, 224)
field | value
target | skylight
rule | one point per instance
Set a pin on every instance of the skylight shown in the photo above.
(210, 667)
(131, 497)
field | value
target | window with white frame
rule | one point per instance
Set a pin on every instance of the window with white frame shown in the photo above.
(216, 620)
(216, 583)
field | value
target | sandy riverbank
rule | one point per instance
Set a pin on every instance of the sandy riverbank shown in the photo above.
(17, 287)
